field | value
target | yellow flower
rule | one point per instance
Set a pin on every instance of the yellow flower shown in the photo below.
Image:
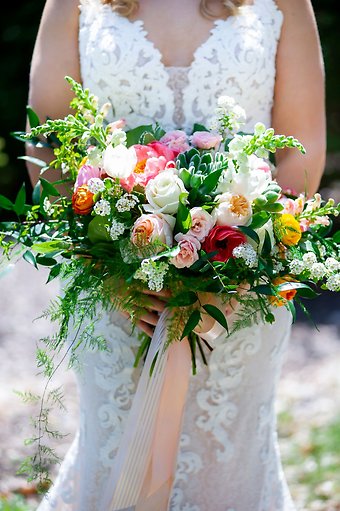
(287, 229)
(284, 296)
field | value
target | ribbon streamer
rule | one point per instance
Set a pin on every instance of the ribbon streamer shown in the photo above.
(143, 473)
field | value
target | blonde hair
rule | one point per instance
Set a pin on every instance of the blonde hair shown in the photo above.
(127, 7)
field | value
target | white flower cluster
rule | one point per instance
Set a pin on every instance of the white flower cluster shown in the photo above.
(229, 114)
(246, 252)
(95, 185)
(102, 207)
(333, 282)
(126, 202)
(317, 270)
(116, 229)
(153, 273)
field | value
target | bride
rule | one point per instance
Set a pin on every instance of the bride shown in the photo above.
(168, 61)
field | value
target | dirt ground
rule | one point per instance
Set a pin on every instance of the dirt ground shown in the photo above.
(309, 388)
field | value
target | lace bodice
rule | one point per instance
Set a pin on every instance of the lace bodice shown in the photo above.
(121, 65)
(228, 458)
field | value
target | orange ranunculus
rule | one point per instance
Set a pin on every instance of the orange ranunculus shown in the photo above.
(82, 200)
(284, 295)
(287, 229)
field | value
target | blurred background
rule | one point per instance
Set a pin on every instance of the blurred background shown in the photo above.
(309, 393)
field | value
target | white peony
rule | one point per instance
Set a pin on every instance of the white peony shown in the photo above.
(232, 210)
(162, 193)
(119, 162)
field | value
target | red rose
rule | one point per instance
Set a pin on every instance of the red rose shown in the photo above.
(223, 239)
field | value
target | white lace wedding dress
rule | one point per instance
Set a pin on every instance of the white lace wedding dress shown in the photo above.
(228, 458)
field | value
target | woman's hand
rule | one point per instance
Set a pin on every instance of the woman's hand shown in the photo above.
(227, 308)
(154, 305)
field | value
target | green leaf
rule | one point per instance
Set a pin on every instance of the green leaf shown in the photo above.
(172, 252)
(336, 237)
(35, 161)
(185, 175)
(133, 136)
(210, 182)
(183, 300)
(30, 258)
(48, 188)
(46, 247)
(199, 127)
(183, 219)
(275, 207)
(248, 231)
(36, 193)
(142, 349)
(6, 203)
(46, 261)
(19, 204)
(291, 307)
(267, 244)
(147, 138)
(218, 315)
(33, 118)
(303, 290)
(54, 272)
(259, 219)
(263, 290)
(192, 322)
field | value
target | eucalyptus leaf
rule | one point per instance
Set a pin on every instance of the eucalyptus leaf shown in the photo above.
(30, 258)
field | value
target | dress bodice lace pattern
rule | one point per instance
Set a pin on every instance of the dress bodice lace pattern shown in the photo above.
(228, 458)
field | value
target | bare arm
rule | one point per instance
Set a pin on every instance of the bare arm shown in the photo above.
(55, 55)
(299, 102)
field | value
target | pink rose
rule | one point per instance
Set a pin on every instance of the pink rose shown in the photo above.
(176, 140)
(223, 239)
(188, 254)
(152, 227)
(205, 140)
(202, 223)
(85, 173)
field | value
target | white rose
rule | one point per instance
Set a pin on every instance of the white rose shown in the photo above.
(232, 210)
(162, 193)
(119, 161)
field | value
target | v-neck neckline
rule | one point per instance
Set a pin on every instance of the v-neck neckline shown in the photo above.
(145, 34)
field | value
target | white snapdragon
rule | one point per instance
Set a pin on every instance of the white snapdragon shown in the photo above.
(246, 252)
(309, 258)
(296, 266)
(95, 185)
(116, 229)
(126, 202)
(333, 282)
(102, 207)
(318, 271)
(332, 264)
(230, 115)
(153, 273)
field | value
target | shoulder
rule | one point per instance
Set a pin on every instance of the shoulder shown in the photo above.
(66, 11)
(297, 13)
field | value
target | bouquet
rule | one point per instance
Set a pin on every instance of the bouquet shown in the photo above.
(192, 213)
(147, 209)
